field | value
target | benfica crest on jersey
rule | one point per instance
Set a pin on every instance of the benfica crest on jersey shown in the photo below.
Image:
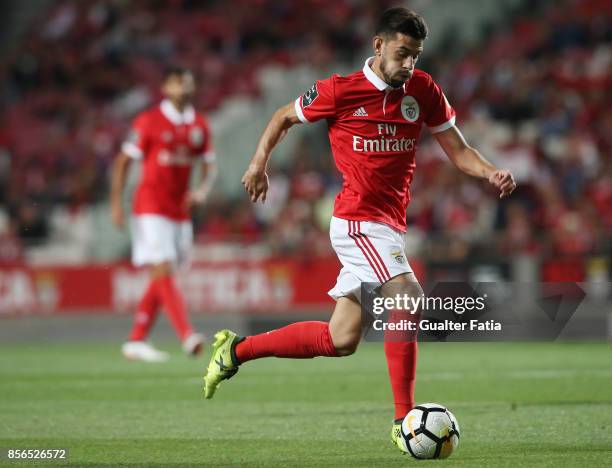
(133, 136)
(410, 108)
(196, 136)
(309, 96)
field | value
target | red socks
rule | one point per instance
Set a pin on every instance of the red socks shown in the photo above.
(304, 340)
(161, 291)
(401, 362)
(172, 299)
(301, 340)
(401, 353)
(146, 313)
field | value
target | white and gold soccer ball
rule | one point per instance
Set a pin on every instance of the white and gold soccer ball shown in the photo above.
(430, 430)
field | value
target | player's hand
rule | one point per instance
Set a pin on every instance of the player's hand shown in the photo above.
(118, 216)
(504, 181)
(256, 183)
(193, 198)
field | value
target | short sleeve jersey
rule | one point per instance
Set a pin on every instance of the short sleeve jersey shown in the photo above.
(373, 131)
(167, 142)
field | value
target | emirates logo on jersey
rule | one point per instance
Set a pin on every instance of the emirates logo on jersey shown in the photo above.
(410, 108)
(178, 158)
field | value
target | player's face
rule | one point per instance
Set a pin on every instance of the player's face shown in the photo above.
(398, 56)
(179, 88)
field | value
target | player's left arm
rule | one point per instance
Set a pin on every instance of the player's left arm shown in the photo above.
(470, 161)
(208, 176)
(208, 169)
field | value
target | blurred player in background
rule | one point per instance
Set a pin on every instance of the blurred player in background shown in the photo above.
(374, 118)
(168, 139)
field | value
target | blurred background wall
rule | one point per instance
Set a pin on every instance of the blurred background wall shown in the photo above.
(530, 81)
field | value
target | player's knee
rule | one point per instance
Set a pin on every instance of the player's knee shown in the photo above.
(405, 285)
(161, 269)
(346, 344)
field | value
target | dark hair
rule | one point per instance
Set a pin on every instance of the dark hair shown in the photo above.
(175, 70)
(401, 20)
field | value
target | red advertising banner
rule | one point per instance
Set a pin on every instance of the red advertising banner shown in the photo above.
(268, 286)
(45, 290)
(248, 287)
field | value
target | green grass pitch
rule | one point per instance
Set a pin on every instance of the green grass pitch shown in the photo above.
(518, 404)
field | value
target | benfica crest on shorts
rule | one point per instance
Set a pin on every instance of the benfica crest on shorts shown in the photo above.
(397, 253)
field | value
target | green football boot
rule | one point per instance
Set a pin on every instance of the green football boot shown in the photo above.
(223, 362)
(396, 436)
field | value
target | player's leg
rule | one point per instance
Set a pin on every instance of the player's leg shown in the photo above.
(161, 244)
(300, 340)
(175, 241)
(137, 348)
(374, 253)
(380, 259)
(401, 350)
(174, 305)
(146, 313)
(171, 298)
(346, 325)
(193, 343)
(401, 346)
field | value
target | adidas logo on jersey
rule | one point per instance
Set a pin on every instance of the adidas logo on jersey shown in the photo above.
(361, 112)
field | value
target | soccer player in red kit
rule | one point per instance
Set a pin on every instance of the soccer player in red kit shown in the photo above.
(374, 118)
(168, 140)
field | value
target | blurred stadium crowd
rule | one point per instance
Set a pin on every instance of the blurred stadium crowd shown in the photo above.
(533, 97)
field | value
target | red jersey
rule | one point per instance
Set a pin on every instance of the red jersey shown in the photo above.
(168, 142)
(373, 130)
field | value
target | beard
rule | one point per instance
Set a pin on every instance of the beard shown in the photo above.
(395, 80)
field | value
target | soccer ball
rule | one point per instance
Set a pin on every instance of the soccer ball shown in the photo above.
(430, 430)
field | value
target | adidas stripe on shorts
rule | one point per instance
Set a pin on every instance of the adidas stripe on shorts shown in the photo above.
(369, 252)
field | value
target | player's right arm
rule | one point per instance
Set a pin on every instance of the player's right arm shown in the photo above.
(255, 179)
(118, 177)
(134, 147)
(318, 102)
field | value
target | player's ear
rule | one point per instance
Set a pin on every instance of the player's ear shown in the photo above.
(377, 45)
